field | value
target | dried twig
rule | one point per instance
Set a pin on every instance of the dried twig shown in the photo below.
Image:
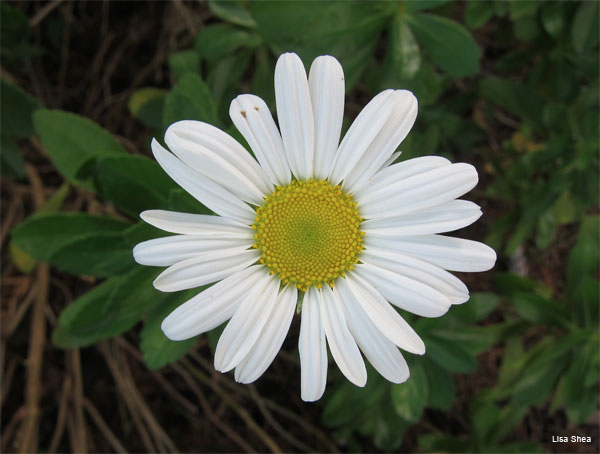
(228, 400)
(61, 419)
(74, 363)
(37, 340)
(103, 427)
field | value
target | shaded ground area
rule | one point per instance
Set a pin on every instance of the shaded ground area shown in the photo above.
(103, 398)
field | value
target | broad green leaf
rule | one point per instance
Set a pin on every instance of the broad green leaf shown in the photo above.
(185, 61)
(147, 104)
(225, 78)
(24, 262)
(347, 30)
(262, 80)
(449, 355)
(12, 162)
(158, 350)
(17, 107)
(76, 242)
(539, 310)
(420, 5)
(231, 11)
(410, 398)
(553, 18)
(44, 235)
(478, 13)
(403, 58)
(441, 386)
(134, 183)
(479, 306)
(71, 141)
(449, 45)
(585, 27)
(109, 309)
(522, 8)
(190, 99)
(513, 97)
(485, 419)
(221, 40)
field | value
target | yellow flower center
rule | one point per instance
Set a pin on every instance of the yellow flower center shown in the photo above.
(308, 232)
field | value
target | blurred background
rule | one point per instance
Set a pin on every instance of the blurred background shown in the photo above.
(509, 86)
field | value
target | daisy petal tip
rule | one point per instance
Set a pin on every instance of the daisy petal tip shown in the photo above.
(170, 329)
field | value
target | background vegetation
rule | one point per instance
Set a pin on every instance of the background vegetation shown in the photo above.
(509, 86)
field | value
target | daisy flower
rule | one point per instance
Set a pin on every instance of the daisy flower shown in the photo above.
(335, 228)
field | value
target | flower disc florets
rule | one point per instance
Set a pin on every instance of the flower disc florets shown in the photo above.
(308, 233)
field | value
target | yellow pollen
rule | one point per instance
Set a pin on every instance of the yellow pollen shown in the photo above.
(309, 233)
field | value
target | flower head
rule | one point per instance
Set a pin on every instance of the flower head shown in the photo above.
(338, 223)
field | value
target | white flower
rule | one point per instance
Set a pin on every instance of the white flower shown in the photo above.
(341, 224)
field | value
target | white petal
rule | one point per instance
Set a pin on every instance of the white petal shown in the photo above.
(381, 313)
(454, 254)
(445, 217)
(254, 121)
(245, 326)
(326, 82)
(271, 338)
(312, 349)
(405, 292)
(218, 156)
(420, 270)
(203, 189)
(391, 160)
(379, 350)
(172, 249)
(385, 143)
(204, 269)
(361, 133)
(419, 192)
(207, 226)
(398, 172)
(341, 343)
(210, 308)
(295, 114)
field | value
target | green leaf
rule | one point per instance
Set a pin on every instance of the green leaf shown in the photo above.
(231, 11)
(449, 45)
(190, 99)
(420, 5)
(441, 386)
(553, 18)
(11, 158)
(76, 242)
(24, 262)
(134, 183)
(158, 350)
(217, 41)
(403, 58)
(479, 306)
(17, 107)
(513, 97)
(262, 80)
(225, 78)
(184, 61)
(347, 30)
(585, 27)
(449, 355)
(147, 105)
(478, 13)
(109, 309)
(410, 398)
(539, 310)
(71, 141)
